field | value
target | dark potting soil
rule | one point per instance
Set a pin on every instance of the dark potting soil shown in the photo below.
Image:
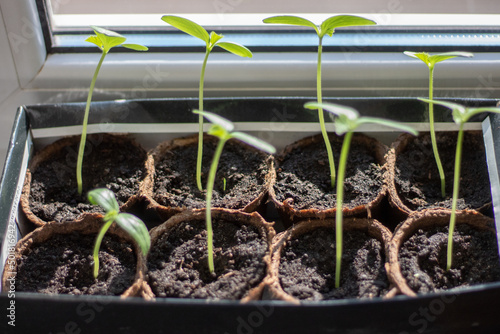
(417, 177)
(475, 259)
(178, 263)
(118, 167)
(304, 176)
(307, 267)
(239, 180)
(64, 265)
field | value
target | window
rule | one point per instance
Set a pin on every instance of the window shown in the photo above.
(402, 24)
(45, 58)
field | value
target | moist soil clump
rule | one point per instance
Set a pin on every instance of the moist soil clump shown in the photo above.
(307, 266)
(475, 259)
(178, 262)
(304, 176)
(64, 265)
(417, 177)
(118, 166)
(240, 177)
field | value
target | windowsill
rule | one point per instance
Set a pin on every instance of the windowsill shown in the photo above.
(149, 75)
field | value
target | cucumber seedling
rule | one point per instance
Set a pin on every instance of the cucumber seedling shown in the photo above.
(129, 223)
(461, 115)
(105, 40)
(431, 61)
(211, 40)
(327, 27)
(346, 122)
(223, 129)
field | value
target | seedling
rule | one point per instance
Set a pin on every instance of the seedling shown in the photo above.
(431, 61)
(105, 40)
(223, 129)
(460, 115)
(130, 223)
(211, 40)
(347, 122)
(327, 27)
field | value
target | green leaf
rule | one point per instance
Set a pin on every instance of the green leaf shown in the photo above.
(291, 20)
(330, 24)
(106, 32)
(136, 47)
(104, 198)
(448, 55)
(94, 40)
(431, 60)
(187, 26)
(214, 38)
(460, 113)
(423, 56)
(136, 229)
(335, 109)
(254, 141)
(216, 119)
(108, 38)
(343, 124)
(236, 49)
(218, 131)
(388, 123)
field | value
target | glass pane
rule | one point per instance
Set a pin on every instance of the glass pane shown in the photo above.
(67, 14)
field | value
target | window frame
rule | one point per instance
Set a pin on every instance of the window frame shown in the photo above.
(41, 75)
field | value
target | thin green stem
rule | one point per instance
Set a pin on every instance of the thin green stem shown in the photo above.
(433, 133)
(83, 138)
(97, 245)
(344, 153)
(456, 188)
(200, 122)
(321, 117)
(208, 214)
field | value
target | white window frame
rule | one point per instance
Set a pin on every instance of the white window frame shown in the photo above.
(38, 77)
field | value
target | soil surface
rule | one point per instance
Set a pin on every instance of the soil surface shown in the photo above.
(178, 263)
(64, 265)
(475, 259)
(243, 169)
(307, 267)
(304, 176)
(417, 177)
(106, 164)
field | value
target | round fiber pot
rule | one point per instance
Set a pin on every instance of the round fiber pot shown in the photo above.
(303, 187)
(243, 176)
(413, 179)
(50, 191)
(57, 259)
(303, 262)
(417, 252)
(178, 261)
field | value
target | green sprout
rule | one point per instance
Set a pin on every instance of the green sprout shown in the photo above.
(129, 223)
(105, 40)
(460, 115)
(431, 61)
(347, 122)
(223, 129)
(211, 40)
(327, 27)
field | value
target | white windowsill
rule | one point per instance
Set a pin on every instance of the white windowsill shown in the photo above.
(148, 75)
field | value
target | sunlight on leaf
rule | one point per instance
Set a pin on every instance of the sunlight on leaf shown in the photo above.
(236, 49)
(187, 26)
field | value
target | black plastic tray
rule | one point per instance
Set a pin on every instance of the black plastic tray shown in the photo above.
(466, 310)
